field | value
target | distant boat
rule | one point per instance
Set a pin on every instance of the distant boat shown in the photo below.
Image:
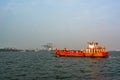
(92, 50)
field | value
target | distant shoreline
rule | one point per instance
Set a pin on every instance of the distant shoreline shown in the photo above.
(19, 50)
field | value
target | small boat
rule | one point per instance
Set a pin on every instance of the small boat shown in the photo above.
(92, 50)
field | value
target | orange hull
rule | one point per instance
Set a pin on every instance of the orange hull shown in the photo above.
(92, 50)
(69, 54)
(100, 54)
(80, 54)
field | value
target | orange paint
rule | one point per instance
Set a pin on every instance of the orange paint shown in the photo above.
(92, 50)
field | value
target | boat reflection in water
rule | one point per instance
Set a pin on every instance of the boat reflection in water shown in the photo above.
(97, 68)
(84, 68)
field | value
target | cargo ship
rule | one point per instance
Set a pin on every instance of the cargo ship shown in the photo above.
(92, 50)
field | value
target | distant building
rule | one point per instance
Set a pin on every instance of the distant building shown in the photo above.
(49, 46)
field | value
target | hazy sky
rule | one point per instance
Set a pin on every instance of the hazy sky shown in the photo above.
(67, 23)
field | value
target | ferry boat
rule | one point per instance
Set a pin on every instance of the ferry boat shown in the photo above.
(92, 50)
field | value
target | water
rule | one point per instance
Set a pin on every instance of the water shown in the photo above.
(45, 66)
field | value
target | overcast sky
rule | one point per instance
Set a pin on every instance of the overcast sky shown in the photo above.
(66, 23)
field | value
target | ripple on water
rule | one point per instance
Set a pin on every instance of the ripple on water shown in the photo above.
(45, 66)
